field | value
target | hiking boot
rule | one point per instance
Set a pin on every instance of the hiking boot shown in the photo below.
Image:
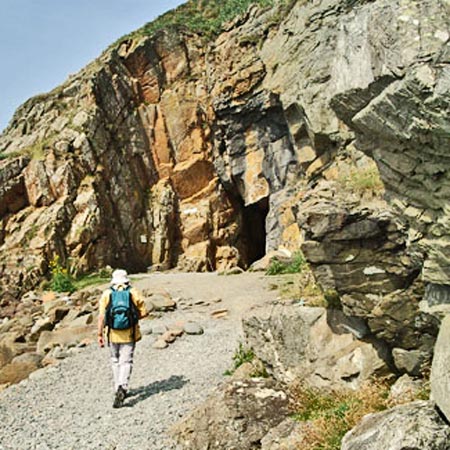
(120, 397)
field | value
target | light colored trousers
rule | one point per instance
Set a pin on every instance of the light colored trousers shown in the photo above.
(122, 363)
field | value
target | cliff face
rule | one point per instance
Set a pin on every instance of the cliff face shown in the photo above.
(169, 152)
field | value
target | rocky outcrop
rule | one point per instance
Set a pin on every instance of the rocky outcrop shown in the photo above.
(168, 152)
(237, 416)
(317, 346)
(440, 379)
(412, 426)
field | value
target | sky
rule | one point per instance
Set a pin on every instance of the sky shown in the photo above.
(42, 42)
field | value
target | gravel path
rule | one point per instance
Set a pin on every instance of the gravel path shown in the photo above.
(69, 406)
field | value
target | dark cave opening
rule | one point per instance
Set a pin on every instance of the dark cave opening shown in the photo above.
(254, 231)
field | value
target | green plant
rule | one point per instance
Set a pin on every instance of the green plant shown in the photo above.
(362, 181)
(92, 279)
(295, 265)
(241, 356)
(204, 17)
(61, 280)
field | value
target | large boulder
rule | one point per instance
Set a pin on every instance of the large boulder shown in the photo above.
(414, 426)
(314, 344)
(440, 374)
(236, 416)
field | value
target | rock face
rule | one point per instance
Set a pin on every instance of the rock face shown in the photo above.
(440, 378)
(168, 152)
(237, 416)
(414, 426)
(314, 345)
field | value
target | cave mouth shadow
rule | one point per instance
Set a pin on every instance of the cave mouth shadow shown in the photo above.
(254, 230)
(140, 394)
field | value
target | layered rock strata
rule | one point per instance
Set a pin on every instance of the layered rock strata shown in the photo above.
(168, 152)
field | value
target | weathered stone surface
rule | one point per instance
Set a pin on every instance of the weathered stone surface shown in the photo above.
(193, 328)
(440, 377)
(236, 416)
(63, 337)
(288, 435)
(412, 426)
(405, 390)
(312, 344)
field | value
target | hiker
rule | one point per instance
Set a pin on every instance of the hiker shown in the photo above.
(120, 308)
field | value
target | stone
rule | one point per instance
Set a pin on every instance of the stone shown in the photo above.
(312, 344)
(159, 328)
(288, 435)
(417, 426)
(14, 372)
(168, 337)
(162, 302)
(146, 327)
(39, 326)
(409, 361)
(193, 328)
(160, 344)
(235, 416)
(440, 376)
(405, 390)
(63, 337)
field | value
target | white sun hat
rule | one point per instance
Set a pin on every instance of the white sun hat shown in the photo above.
(120, 276)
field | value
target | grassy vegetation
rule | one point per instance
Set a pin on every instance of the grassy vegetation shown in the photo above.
(331, 414)
(295, 265)
(204, 17)
(92, 279)
(363, 181)
(241, 356)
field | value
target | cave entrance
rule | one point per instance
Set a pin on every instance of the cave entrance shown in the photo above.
(254, 231)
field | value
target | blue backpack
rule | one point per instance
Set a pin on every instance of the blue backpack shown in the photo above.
(121, 312)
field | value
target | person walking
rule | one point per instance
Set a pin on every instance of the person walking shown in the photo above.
(120, 308)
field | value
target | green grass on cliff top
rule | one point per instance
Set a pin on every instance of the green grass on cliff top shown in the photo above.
(204, 17)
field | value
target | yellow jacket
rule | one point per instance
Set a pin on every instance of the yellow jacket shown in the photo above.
(123, 336)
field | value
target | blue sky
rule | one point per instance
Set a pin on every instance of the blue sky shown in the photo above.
(43, 41)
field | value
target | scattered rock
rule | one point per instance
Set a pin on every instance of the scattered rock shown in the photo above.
(163, 302)
(160, 344)
(219, 313)
(168, 337)
(192, 328)
(159, 328)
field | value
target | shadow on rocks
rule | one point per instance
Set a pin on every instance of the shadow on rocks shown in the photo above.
(142, 393)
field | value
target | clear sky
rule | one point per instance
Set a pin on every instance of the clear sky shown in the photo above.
(43, 41)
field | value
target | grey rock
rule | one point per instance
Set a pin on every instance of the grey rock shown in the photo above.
(236, 415)
(440, 376)
(193, 328)
(412, 426)
(311, 344)
(409, 361)
(159, 328)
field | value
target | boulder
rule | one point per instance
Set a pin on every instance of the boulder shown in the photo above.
(236, 416)
(64, 337)
(193, 328)
(440, 374)
(314, 344)
(162, 302)
(414, 426)
(288, 435)
(405, 390)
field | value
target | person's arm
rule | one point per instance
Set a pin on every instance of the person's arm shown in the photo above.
(101, 320)
(140, 304)
(100, 323)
